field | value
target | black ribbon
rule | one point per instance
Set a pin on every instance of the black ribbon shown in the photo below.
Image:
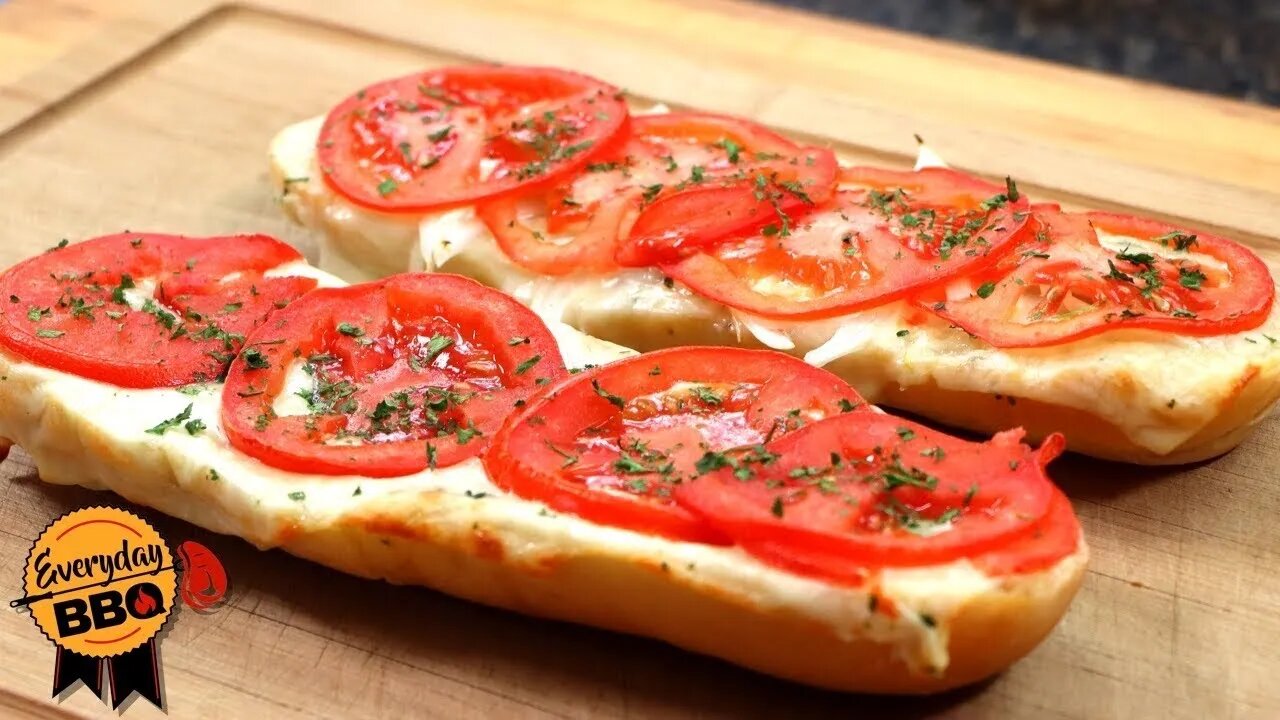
(70, 668)
(135, 671)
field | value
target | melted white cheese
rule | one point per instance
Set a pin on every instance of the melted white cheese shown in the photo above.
(459, 233)
(290, 401)
(927, 158)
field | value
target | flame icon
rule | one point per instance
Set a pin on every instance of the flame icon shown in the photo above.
(144, 605)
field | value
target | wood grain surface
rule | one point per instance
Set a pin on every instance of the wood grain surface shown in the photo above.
(160, 117)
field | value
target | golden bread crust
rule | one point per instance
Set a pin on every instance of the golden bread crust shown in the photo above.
(1242, 407)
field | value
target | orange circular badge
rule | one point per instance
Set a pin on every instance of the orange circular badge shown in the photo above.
(101, 580)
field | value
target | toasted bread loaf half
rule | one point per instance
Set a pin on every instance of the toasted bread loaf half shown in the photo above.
(1135, 396)
(452, 530)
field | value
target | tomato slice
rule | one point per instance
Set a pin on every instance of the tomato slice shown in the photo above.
(575, 225)
(610, 444)
(1062, 284)
(865, 490)
(769, 198)
(409, 372)
(144, 310)
(456, 135)
(1054, 537)
(900, 232)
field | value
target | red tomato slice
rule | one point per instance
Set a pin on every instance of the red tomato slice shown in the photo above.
(456, 135)
(902, 232)
(769, 199)
(866, 490)
(1061, 284)
(610, 444)
(402, 374)
(575, 225)
(144, 310)
(1054, 537)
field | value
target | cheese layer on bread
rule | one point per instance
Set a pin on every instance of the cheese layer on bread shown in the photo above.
(81, 431)
(1160, 391)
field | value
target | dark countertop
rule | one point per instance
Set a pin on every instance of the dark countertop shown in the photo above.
(1228, 47)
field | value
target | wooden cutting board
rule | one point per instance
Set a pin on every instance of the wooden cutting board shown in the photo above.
(160, 120)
